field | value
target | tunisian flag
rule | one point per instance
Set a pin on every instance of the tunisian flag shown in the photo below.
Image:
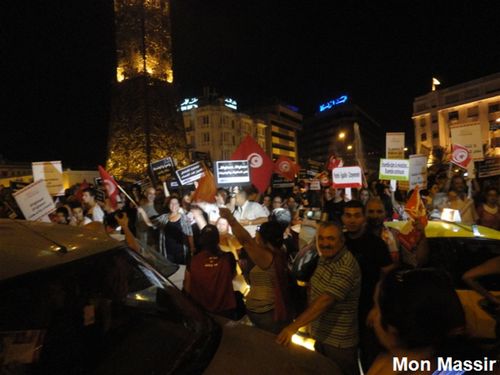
(110, 185)
(261, 165)
(409, 236)
(285, 167)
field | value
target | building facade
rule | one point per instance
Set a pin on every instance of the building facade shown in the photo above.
(214, 125)
(284, 123)
(475, 102)
(343, 129)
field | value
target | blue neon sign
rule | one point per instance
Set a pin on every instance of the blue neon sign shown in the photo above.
(189, 103)
(230, 103)
(332, 103)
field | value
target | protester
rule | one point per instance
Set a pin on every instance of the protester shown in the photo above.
(249, 214)
(62, 216)
(267, 302)
(209, 275)
(490, 267)
(94, 211)
(488, 212)
(439, 202)
(463, 204)
(176, 235)
(374, 260)
(375, 215)
(364, 195)
(78, 219)
(334, 297)
(418, 316)
(267, 204)
(145, 234)
(277, 202)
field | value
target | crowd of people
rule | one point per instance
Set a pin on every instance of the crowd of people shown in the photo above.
(356, 301)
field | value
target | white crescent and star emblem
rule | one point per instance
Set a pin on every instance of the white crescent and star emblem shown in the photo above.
(460, 155)
(255, 160)
(284, 166)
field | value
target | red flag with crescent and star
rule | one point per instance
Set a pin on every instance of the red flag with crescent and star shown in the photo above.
(111, 186)
(286, 168)
(261, 165)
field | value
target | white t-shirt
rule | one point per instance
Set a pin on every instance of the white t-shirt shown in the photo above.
(97, 213)
(250, 211)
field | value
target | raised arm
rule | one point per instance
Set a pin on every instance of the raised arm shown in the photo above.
(490, 267)
(260, 255)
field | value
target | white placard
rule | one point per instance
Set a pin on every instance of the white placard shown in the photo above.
(418, 171)
(394, 169)
(347, 177)
(469, 136)
(395, 145)
(51, 172)
(315, 185)
(35, 201)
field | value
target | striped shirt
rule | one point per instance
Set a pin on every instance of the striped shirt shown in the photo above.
(260, 299)
(339, 277)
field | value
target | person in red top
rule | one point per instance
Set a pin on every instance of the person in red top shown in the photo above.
(209, 277)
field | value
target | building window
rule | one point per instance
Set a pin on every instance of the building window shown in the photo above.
(205, 137)
(423, 122)
(423, 136)
(473, 112)
(453, 116)
(434, 119)
(435, 135)
(495, 107)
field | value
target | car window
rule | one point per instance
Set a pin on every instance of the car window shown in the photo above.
(457, 255)
(105, 314)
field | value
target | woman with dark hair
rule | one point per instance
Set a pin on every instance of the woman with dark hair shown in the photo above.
(209, 276)
(418, 317)
(267, 301)
(488, 212)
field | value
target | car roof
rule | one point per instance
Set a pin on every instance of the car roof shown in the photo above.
(447, 229)
(28, 246)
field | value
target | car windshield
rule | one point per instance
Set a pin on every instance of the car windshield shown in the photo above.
(111, 313)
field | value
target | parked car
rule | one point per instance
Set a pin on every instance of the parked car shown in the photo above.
(75, 301)
(456, 248)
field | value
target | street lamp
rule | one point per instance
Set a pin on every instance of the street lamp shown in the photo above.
(349, 147)
(341, 135)
(406, 149)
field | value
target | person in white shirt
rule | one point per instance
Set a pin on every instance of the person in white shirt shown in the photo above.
(249, 214)
(77, 218)
(94, 211)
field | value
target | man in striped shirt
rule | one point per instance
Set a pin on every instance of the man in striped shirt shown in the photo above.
(334, 297)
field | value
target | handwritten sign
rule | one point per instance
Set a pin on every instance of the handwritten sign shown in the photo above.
(51, 172)
(35, 201)
(394, 145)
(231, 172)
(469, 136)
(191, 173)
(347, 177)
(394, 169)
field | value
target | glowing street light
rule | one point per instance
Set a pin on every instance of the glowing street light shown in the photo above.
(406, 149)
(349, 147)
(341, 135)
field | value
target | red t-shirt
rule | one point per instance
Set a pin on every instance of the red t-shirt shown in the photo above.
(211, 280)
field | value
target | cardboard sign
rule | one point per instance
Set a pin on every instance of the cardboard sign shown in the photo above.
(51, 172)
(469, 136)
(489, 167)
(347, 177)
(394, 169)
(281, 182)
(163, 169)
(232, 172)
(394, 145)
(191, 173)
(418, 171)
(35, 201)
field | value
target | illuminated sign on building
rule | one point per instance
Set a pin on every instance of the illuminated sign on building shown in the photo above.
(230, 103)
(332, 103)
(188, 104)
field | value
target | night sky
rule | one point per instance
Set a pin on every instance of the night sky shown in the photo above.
(58, 61)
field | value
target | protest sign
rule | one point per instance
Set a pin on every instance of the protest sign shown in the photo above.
(232, 172)
(347, 177)
(281, 182)
(469, 136)
(418, 171)
(35, 201)
(394, 169)
(489, 167)
(163, 169)
(51, 172)
(394, 145)
(191, 173)
(315, 185)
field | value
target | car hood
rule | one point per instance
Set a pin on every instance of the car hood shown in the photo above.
(249, 350)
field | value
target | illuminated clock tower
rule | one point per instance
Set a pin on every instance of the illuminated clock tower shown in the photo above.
(145, 124)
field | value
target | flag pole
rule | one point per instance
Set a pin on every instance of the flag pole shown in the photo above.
(128, 196)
